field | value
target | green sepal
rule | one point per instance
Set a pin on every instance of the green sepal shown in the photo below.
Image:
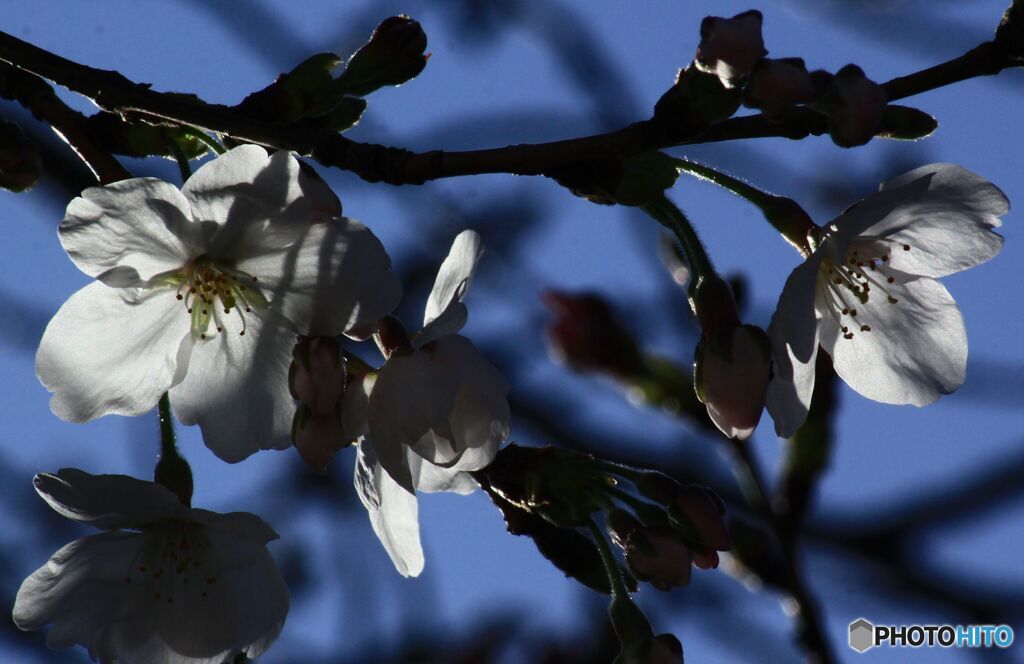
(906, 123)
(697, 100)
(574, 554)
(307, 91)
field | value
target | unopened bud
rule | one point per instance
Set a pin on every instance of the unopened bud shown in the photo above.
(316, 378)
(729, 47)
(659, 556)
(731, 372)
(855, 106)
(586, 335)
(394, 54)
(778, 85)
(697, 514)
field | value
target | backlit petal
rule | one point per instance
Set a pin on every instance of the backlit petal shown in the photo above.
(143, 224)
(112, 351)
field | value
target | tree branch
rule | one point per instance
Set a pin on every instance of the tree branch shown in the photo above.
(39, 98)
(115, 93)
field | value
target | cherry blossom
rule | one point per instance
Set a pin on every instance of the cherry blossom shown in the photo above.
(201, 292)
(868, 293)
(435, 410)
(162, 583)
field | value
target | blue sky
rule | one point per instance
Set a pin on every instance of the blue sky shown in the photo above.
(527, 82)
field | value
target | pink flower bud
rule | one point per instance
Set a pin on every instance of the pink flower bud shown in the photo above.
(696, 512)
(778, 85)
(659, 556)
(316, 379)
(729, 47)
(855, 106)
(586, 335)
(731, 373)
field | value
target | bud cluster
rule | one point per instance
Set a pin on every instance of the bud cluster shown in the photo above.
(731, 68)
(664, 527)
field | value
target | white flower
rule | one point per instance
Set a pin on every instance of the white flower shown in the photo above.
(202, 291)
(869, 297)
(164, 583)
(434, 411)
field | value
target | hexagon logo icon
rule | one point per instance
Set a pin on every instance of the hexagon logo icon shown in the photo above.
(862, 635)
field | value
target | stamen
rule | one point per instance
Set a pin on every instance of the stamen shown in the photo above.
(216, 287)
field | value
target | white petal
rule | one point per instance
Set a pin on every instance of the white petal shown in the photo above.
(236, 601)
(142, 224)
(480, 418)
(393, 511)
(445, 313)
(795, 321)
(794, 335)
(107, 501)
(251, 202)
(80, 590)
(111, 350)
(915, 351)
(237, 390)
(431, 478)
(240, 525)
(948, 223)
(410, 405)
(336, 277)
(789, 397)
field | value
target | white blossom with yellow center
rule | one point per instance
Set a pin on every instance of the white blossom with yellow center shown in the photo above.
(868, 294)
(200, 292)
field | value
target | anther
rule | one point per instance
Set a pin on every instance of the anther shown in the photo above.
(865, 328)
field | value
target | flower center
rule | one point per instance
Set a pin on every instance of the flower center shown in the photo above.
(864, 273)
(211, 291)
(172, 561)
